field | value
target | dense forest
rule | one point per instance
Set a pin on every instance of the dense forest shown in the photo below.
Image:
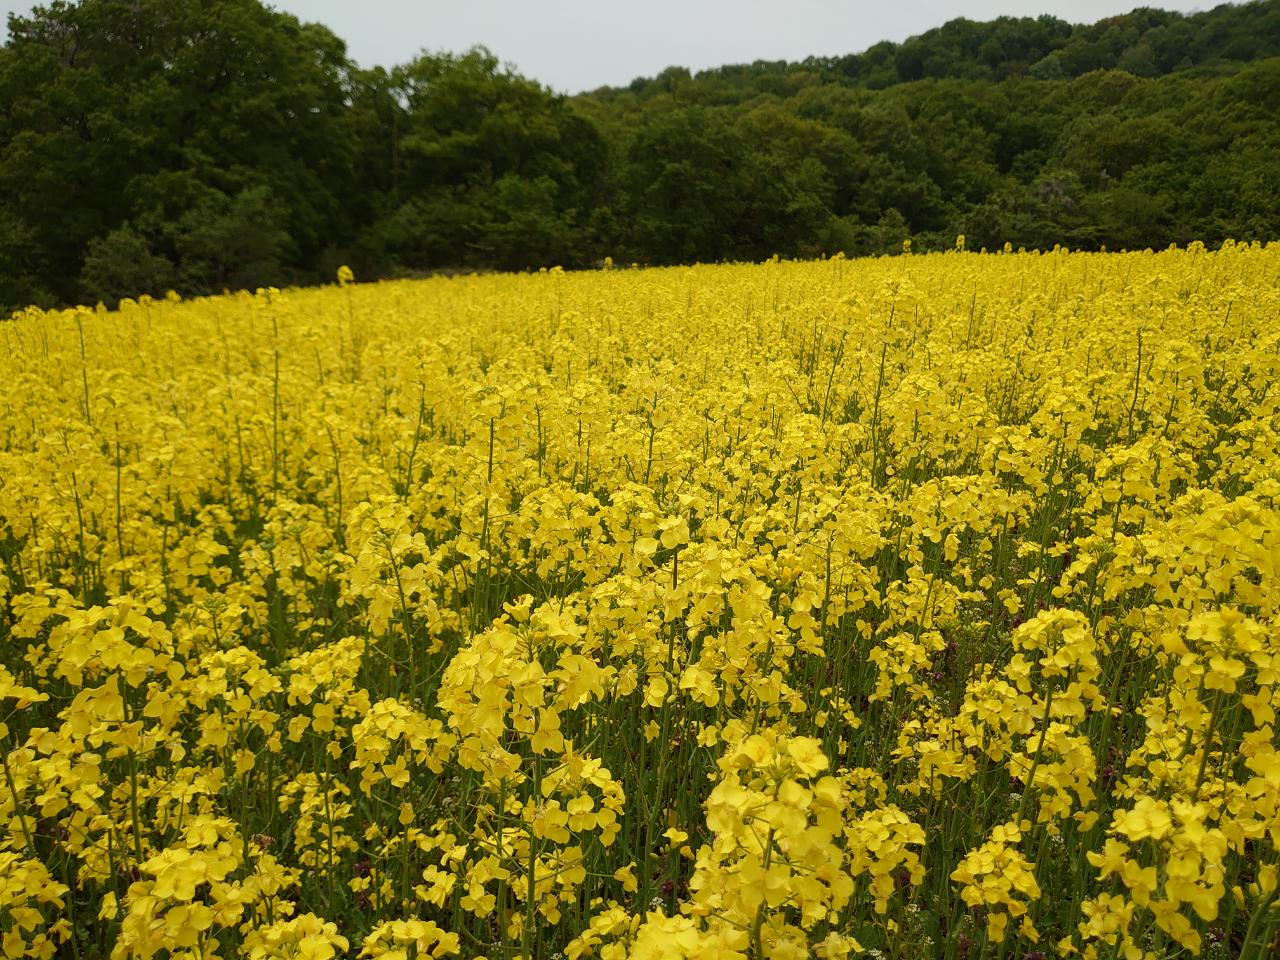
(208, 144)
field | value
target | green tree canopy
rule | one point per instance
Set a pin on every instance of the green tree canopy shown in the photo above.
(203, 144)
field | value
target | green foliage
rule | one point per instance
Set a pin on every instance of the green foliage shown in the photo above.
(123, 260)
(109, 103)
(219, 143)
(233, 242)
(489, 169)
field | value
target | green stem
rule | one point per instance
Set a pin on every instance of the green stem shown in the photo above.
(17, 804)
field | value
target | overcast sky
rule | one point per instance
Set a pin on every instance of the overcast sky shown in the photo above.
(574, 45)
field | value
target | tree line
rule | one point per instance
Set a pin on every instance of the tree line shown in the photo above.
(208, 144)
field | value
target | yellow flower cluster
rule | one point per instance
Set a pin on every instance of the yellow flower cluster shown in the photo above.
(921, 606)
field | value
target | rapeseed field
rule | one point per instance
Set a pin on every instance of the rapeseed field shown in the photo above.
(923, 606)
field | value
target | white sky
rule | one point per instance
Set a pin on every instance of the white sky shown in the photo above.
(574, 45)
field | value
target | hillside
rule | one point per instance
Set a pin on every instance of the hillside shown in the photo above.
(199, 146)
(1146, 42)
